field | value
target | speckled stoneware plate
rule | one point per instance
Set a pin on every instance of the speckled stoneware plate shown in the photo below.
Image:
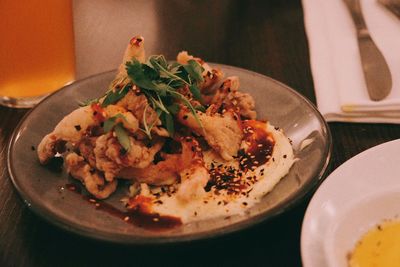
(44, 190)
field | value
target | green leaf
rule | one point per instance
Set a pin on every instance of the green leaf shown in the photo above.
(113, 97)
(122, 136)
(158, 103)
(200, 108)
(158, 61)
(149, 72)
(163, 70)
(169, 121)
(195, 92)
(91, 101)
(138, 77)
(187, 103)
(173, 108)
(110, 122)
(195, 70)
(159, 81)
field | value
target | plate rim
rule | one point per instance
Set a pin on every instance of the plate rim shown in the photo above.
(308, 261)
(242, 225)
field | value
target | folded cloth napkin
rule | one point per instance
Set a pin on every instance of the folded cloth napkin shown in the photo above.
(339, 82)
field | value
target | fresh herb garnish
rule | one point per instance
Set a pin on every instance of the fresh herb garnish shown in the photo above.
(195, 70)
(114, 96)
(159, 81)
(122, 136)
(121, 133)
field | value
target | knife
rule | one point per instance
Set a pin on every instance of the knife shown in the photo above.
(392, 5)
(376, 71)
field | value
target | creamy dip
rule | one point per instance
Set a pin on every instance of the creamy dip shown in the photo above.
(234, 185)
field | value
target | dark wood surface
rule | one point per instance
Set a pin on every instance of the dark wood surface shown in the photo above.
(264, 36)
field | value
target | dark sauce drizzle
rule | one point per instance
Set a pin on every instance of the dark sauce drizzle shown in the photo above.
(260, 145)
(149, 221)
(259, 151)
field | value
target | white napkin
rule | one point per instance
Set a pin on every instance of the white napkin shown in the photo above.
(339, 82)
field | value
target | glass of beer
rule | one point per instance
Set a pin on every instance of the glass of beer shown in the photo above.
(36, 50)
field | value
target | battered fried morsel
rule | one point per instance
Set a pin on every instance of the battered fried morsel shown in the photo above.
(111, 159)
(211, 77)
(94, 182)
(73, 127)
(137, 103)
(168, 170)
(228, 97)
(70, 129)
(221, 131)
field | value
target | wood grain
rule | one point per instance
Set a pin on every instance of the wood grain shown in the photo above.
(264, 36)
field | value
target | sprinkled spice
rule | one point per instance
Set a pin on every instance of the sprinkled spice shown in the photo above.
(260, 145)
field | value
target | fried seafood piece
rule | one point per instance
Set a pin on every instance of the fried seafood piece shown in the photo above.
(137, 103)
(135, 49)
(94, 182)
(86, 147)
(110, 158)
(193, 181)
(222, 132)
(228, 97)
(71, 128)
(78, 123)
(168, 170)
(212, 77)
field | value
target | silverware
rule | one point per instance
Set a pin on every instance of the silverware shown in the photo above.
(392, 5)
(376, 71)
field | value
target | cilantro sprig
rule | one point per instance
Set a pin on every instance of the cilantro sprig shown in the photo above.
(159, 81)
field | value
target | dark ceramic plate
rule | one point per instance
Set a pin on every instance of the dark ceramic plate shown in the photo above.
(44, 190)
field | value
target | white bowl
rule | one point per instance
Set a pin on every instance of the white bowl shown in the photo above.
(358, 195)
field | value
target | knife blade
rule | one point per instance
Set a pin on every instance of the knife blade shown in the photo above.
(392, 5)
(376, 71)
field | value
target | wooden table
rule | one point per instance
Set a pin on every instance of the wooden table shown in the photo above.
(264, 36)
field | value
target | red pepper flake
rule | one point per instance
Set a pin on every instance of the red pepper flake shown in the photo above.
(136, 41)
(98, 112)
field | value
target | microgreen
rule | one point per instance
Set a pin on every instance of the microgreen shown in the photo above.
(159, 81)
(114, 96)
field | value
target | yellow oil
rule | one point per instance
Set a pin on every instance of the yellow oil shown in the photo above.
(380, 247)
